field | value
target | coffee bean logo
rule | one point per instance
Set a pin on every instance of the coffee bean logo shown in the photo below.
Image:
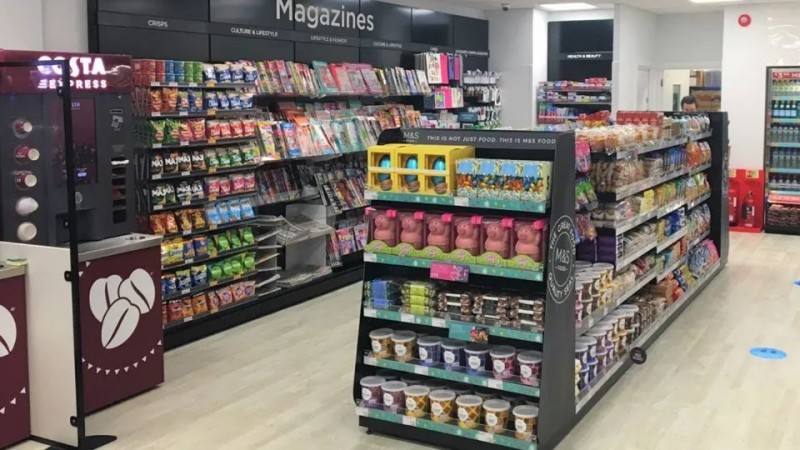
(103, 293)
(8, 332)
(139, 289)
(119, 323)
(117, 304)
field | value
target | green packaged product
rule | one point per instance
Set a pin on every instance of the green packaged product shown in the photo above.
(247, 236)
(420, 288)
(223, 157)
(172, 131)
(222, 243)
(418, 300)
(236, 241)
(211, 159)
(157, 131)
(235, 155)
(248, 156)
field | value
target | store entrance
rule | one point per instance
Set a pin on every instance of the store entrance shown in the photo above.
(703, 85)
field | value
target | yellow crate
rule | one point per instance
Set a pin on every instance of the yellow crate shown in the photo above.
(381, 178)
(425, 179)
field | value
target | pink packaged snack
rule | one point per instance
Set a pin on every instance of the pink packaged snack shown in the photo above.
(224, 186)
(467, 239)
(440, 232)
(212, 186)
(249, 182)
(497, 241)
(528, 239)
(237, 183)
(383, 230)
(412, 236)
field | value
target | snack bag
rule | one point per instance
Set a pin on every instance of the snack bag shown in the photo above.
(199, 160)
(235, 156)
(156, 164)
(199, 276)
(223, 157)
(235, 210)
(182, 101)
(237, 183)
(212, 162)
(199, 303)
(237, 129)
(158, 224)
(224, 213)
(213, 130)
(212, 186)
(224, 102)
(224, 129)
(200, 246)
(224, 187)
(210, 100)
(188, 249)
(158, 131)
(184, 279)
(212, 215)
(197, 190)
(154, 97)
(169, 99)
(198, 129)
(198, 219)
(247, 209)
(195, 101)
(171, 223)
(184, 192)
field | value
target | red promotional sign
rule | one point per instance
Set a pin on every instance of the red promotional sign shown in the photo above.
(89, 72)
(121, 326)
(15, 423)
(745, 20)
(449, 272)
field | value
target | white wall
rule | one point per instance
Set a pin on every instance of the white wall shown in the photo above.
(21, 24)
(540, 34)
(689, 41)
(65, 25)
(634, 49)
(771, 40)
(44, 25)
(511, 47)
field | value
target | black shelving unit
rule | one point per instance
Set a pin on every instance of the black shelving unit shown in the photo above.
(557, 397)
(559, 409)
(782, 150)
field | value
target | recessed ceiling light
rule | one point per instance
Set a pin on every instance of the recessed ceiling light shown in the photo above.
(713, 1)
(567, 6)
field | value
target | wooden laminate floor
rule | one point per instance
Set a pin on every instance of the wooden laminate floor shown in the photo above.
(284, 381)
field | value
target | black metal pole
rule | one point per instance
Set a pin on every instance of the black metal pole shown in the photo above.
(73, 276)
(79, 421)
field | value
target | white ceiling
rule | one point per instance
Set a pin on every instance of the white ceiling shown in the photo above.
(656, 6)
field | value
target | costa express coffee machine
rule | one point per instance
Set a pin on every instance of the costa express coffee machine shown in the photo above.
(33, 206)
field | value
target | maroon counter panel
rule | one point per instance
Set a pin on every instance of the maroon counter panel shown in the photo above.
(15, 415)
(121, 326)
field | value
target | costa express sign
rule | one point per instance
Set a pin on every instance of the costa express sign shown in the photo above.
(88, 72)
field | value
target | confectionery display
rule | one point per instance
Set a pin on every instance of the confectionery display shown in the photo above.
(492, 241)
(645, 239)
(438, 299)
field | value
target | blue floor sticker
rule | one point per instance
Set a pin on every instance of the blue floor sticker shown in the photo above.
(797, 283)
(767, 353)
